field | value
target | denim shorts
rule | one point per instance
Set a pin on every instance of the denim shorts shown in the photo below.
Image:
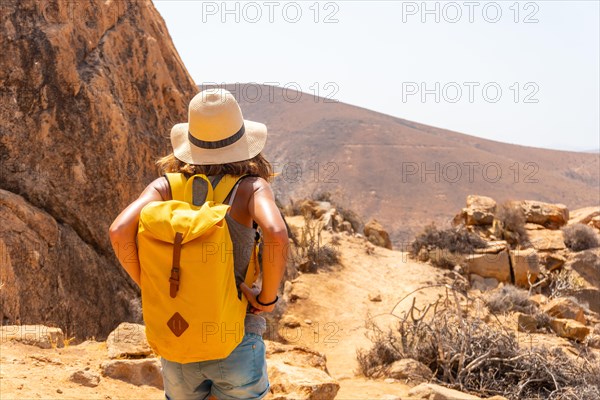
(242, 375)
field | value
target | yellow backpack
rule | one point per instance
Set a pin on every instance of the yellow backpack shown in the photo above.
(191, 305)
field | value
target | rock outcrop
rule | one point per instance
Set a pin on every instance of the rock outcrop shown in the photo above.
(128, 341)
(551, 216)
(377, 235)
(298, 373)
(35, 335)
(89, 91)
(480, 210)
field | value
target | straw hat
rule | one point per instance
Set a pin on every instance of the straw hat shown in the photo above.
(216, 132)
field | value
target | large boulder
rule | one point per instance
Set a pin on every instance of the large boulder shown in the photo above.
(297, 372)
(89, 93)
(587, 265)
(375, 233)
(34, 335)
(128, 341)
(546, 239)
(480, 210)
(551, 216)
(570, 329)
(564, 308)
(490, 265)
(525, 266)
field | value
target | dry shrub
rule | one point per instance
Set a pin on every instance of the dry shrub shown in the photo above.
(322, 196)
(580, 237)
(509, 298)
(510, 219)
(467, 354)
(311, 254)
(563, 283)
(352, 217)
(443, 261)
(455, 240)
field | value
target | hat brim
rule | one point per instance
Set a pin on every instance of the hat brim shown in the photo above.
(249, 145)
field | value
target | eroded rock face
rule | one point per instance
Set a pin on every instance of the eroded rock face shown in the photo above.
(89, 91)
(51, 276)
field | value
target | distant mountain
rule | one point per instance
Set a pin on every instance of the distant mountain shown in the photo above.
(403, 173)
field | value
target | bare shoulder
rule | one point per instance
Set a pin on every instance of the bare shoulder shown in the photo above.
(254, 185)
(161, 185)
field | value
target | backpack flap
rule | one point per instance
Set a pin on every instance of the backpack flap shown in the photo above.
(163, 219)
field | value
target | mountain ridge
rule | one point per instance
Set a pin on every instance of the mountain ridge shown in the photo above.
(401, 172)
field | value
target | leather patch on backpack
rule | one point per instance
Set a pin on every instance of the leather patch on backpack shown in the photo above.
(177, 324)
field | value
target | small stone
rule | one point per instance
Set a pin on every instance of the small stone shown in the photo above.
(390, 380)
(527, 323)
(59, 391)
(437, 392)
(85, 378)
(308, 321)
(375, 297)
(410, 369)
(290, 321)
(137, 372)
(483, 284)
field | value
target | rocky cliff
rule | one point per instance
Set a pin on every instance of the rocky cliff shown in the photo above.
(88, 93)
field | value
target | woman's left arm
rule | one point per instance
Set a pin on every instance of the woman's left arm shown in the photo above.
(123, 230)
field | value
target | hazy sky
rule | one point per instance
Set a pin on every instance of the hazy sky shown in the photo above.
(525, 72)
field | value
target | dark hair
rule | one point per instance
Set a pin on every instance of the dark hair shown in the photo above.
(256, 166)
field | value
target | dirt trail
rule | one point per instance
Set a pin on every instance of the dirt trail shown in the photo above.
(338, 304)
(332, 321)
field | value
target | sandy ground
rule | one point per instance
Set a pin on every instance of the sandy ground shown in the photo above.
(28, 372)
(332, 322)
(338, 305)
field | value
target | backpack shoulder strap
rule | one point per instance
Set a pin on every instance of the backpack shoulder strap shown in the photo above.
(177, 185)
(225, 186)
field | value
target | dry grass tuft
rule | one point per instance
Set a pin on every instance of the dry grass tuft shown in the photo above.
(468, 354)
